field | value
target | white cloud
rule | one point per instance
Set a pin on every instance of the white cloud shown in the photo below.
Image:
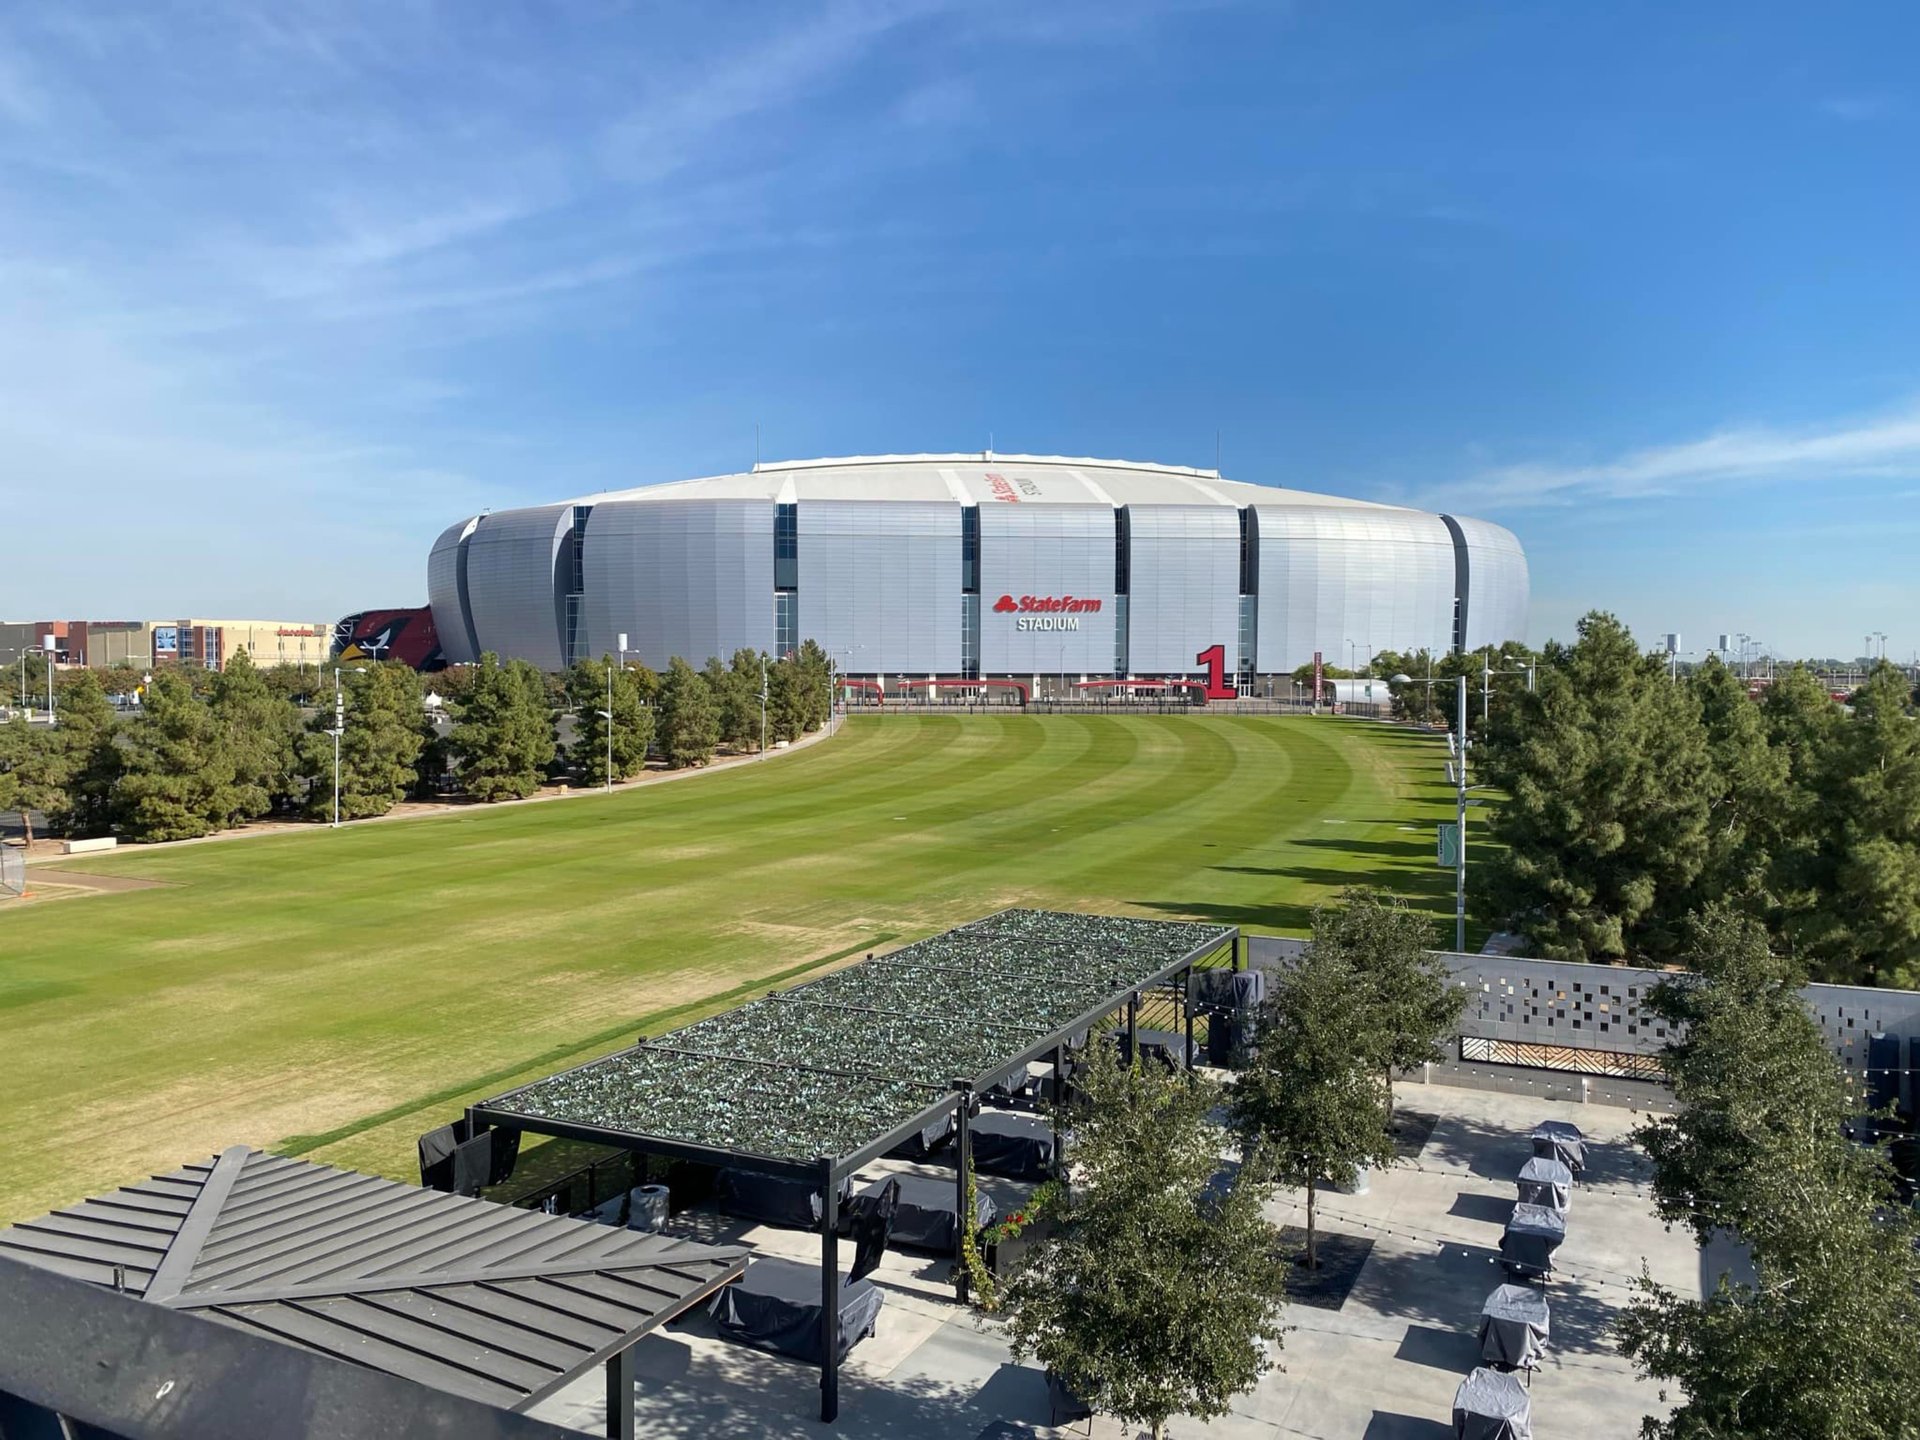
(1887, 445)
(1855, 108)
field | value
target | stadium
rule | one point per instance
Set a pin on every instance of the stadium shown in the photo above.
(974, 567)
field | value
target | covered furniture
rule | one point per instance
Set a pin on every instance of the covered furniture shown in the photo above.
(772, 1199)
(1161, 1047)
(1561, 1140)
(1546, 1182)
(923, 1218)
(1533, 1234)
(1228, 998)
(1513, 1328)
(1492, 1406)
(927, 1139)
(1017, 1147)
(775, 1306)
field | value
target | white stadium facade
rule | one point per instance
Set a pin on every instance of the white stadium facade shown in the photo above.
(976, 566)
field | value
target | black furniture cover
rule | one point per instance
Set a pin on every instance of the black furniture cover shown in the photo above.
(1018, 1147)
(1063, 1406)
(1546, 1182)
(1492, 1406)
(930, 1137)
(1513, 1327)
(1533, 1234)
(773, 1199)
(1163, 1047)
(871, 1226)
(453, 1161)
(776, 1306)
(923, 1219)
(1228, 998)
(1561, 1140)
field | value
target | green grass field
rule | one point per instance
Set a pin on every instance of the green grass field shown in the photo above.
(335, 993)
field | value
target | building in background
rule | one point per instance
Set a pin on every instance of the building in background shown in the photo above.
(405, 635)
(103, 644)
(976, 566)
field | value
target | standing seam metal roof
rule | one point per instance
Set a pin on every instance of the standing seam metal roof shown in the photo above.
(501, 1305)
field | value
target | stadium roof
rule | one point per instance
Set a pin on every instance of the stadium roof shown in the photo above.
(982, 477)
(840, 1069)
(499, 1305)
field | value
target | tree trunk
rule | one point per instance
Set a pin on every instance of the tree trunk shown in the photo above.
(1160, 1430)
(1313, 1261)
(1389, 1099)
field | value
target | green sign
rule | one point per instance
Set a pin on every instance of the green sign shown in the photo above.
(1449, 845)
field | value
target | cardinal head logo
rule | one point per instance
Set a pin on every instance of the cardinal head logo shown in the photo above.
(1004, 605)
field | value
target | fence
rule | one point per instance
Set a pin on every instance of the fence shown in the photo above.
(13, 871)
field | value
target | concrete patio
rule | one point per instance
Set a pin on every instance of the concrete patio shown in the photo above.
(1383, 1366)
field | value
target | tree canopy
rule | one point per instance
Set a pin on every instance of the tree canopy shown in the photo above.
(689, 723)
(632, 723)
(502, 739)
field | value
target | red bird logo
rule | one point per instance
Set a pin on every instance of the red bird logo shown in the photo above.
(1004, 605)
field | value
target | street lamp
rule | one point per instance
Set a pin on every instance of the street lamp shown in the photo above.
(339, 729)
(47, 643)
(763, 703)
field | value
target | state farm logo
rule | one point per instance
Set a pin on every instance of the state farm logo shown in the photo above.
(1011, 490)
(1045, 612)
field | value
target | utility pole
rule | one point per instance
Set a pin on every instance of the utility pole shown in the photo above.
(48, 647)
(763, 704)
(1460, 835)
(339, 729)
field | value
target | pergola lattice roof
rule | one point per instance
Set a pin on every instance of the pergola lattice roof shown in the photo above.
(838, 1068)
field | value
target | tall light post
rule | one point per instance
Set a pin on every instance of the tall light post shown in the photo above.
(763, 703)
(339, 729)
(1460, 823)
(47, 642)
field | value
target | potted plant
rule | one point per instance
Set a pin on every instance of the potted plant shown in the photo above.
(1009, 1242)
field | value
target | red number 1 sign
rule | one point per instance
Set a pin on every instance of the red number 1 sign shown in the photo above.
(1214, 658)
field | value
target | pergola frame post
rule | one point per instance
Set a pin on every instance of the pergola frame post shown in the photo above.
(1133, 1029)
(620, 1395)
(1186, 1009)
(829, 1293)
(962, 1172)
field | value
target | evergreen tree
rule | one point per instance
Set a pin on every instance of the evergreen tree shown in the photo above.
(632, 721)
(740, 708)
(379, 745)
(817, 678)
(261, 730)
(786, 717)
(178, 776)
(1160, 1294)
(1748, 791)
(502, 741)
(1609, 785)
(36, 774)
(1415, 1003)
(1310, 1109)
(85, 757)
(689, 722)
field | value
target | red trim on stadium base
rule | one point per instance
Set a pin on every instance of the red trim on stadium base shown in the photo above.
(952, 684)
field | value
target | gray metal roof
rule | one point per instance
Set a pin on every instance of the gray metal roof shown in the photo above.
(841, 1067)
(500, 1305)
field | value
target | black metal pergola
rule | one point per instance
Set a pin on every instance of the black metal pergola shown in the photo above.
(815, 1082)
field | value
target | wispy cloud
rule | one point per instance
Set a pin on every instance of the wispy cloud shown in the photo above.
(1856, 108)
(1883, 446)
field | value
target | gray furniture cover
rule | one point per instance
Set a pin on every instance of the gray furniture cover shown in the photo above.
(1492, 1406)
(1546, 1182)
(1018, 1147)
(1229, 998)
(1513, 1328)
(1533, 1234)
(923, 1220)
(773, 1199)
(1561, 1140)
(776, 1306)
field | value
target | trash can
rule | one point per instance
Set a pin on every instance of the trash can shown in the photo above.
(649, 1208)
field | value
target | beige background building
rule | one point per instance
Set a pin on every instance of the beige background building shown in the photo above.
(103, 644)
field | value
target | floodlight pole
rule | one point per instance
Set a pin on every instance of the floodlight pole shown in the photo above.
(763, 705)
(609, 729)
(339, 728)
(1460, 829)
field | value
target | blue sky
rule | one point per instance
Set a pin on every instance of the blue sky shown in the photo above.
(286, 288)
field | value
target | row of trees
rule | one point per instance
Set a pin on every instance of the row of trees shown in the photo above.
(1632, 800)
(1161, 1293)
(1821, 1340)
(207, 751)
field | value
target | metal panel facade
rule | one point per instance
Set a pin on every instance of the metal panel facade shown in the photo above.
(1046, 552)
(512, 584)
(692, 578)
(1497, 583)
(450, 618)
(1382, 579)
(1185, 587)
(880, 584)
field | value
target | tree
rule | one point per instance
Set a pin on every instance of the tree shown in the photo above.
(1309, 1110)
(84, 756)
(632, 721)
(1160, 1294)
(1750, 778)
(741, 710)
(261, 730)
(689, 722)
(815, 689)
(178, 775)
(1820, 1343)
(1603, 833)
(1415, 1004)
(380, 743)
(786, 711)
(502, 740)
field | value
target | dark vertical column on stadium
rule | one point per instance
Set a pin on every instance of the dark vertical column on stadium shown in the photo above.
(962, 1174)
(829, 1292)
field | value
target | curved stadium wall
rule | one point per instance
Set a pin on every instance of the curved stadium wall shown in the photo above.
(975, 566)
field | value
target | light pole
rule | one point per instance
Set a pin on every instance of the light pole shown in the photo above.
(47, 645)
(339, 729)
(763, 704)
(1460, 824)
